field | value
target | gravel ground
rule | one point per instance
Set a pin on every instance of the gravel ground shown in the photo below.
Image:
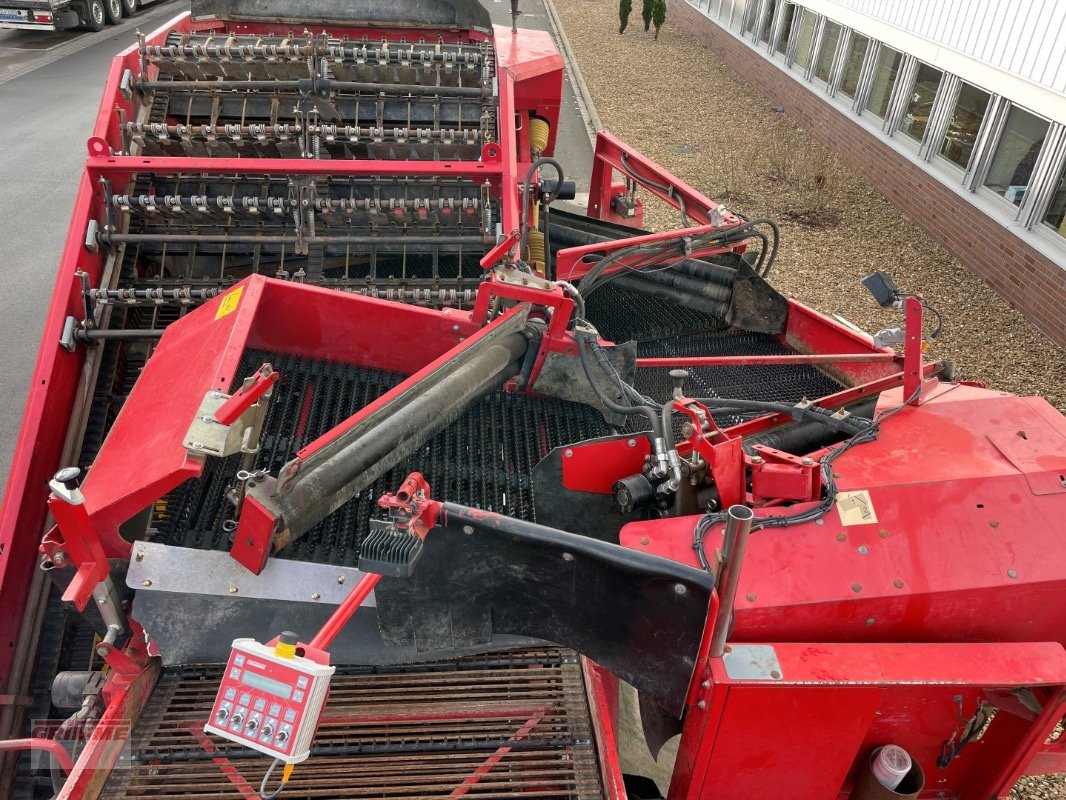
(681, 104)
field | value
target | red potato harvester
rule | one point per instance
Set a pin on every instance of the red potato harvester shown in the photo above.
(349, 449)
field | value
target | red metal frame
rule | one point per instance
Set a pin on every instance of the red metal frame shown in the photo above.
(967, 489)
(804, 732)
(608, 158)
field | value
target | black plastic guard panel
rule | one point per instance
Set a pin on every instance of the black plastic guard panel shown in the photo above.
(482, 573)
(409, 13)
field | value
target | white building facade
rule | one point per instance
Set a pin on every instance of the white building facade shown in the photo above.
(971, 92)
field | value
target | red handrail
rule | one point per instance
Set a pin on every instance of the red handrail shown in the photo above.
(38, 743)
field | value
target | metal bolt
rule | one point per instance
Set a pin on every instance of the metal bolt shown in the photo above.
(842, 537)
(1012, 573)
(146, 583)
(568, 453)
(993, 523)
(819, 522)
(869, 621)
(756, 459)
(856, 587)
(316, 596)
(140, 555)
(632, 442)
(60, 558)
(568, 556)
(340, 579)
(679, 588)
(217, 395)
(897, 583)
(455, 328)
(705, 685)
(197, 445)
(727, 649)
(750, 597)
(233, 590)
(883, 533)
(103, 651)
(863, 549)
(807, 462)
(644, 539)
(775, 674)
(701, 704)
(468, 530)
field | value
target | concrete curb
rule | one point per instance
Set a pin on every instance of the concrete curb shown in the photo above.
(584, 99)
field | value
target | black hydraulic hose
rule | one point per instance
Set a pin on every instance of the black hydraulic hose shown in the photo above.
(706, 271)
(527, 190)
(806, 436)
(713, 308)
(564, 237)
(850, 424)
(685, 283)
(583, 343)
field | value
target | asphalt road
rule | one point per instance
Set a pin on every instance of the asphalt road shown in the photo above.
(50, 87)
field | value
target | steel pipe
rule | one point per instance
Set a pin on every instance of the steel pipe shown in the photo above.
(355, 460)
(119, 334)
(189, 238)
(318, 87)
(737, 528)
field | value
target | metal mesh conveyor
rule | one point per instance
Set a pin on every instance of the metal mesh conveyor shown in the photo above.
(485, 459)
(491, 726)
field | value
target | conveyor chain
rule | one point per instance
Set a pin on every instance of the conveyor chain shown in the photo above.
(314, 97)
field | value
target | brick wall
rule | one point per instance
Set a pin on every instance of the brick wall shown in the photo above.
(1028, 280)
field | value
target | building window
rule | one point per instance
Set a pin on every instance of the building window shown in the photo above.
(788, 16)
(849, 84)
(828, 50)
(1016, 154)
(751, 16)
(884, 81)
(805, 38)
(965, 124)
(767, 22)
(916, 117)
(1056, 213)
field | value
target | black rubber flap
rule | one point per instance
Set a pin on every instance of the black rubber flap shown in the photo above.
(639, 615)
(755, 305)
(402, 13)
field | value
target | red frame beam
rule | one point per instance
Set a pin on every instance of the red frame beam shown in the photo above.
(608, 157)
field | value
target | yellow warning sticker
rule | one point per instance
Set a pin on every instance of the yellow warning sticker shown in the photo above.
(855, 508)
(229, 303)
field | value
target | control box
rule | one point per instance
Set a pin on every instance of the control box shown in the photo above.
(270, 699)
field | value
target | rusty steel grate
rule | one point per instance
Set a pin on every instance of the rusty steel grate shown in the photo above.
(498, 725)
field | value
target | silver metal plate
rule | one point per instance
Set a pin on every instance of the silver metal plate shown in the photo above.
(161, 568)
(753, 662)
